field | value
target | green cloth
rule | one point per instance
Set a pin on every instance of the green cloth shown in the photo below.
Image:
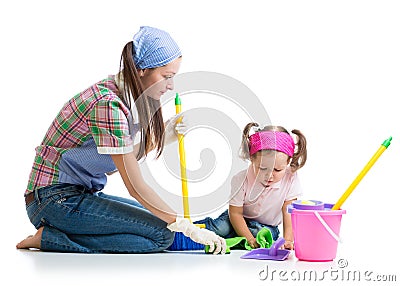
(263, 238)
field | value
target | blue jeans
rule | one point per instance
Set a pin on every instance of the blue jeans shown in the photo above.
(76, 220)
(223, 227)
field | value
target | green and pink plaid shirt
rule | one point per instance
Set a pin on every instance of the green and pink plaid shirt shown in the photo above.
(76, 148)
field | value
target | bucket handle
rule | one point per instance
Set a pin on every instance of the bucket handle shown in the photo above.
(327, 227)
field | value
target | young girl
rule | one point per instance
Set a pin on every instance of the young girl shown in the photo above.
(261, 193)
(92, 136)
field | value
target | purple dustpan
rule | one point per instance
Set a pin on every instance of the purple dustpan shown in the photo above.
(272, 253)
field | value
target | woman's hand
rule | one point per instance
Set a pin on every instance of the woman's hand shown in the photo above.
(201, 235)
(177, 124)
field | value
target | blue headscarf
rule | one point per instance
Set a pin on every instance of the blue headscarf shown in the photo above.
(154, 48)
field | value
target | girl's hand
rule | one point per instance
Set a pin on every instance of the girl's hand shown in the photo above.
(288, 245)
(253, 243)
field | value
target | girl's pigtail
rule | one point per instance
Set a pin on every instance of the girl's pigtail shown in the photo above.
(244, 152)
(300, 155)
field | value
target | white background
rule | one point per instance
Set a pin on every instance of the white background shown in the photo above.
(330, 69)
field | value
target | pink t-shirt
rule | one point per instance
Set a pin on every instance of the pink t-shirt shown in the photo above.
(263, 204)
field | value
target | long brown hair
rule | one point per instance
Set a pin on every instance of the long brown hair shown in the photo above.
(300, 155)
(148, 109)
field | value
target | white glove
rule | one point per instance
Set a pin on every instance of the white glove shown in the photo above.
(200, 235)
(172, 128)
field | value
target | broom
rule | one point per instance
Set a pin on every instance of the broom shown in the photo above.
(182, 242)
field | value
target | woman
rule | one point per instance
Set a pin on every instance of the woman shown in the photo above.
(92, 136)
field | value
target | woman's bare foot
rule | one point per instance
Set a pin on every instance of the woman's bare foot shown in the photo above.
(32, 241)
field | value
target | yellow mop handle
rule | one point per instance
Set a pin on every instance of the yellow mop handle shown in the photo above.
(364, 171)
(182, 159)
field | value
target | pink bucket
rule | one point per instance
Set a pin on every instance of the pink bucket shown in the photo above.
(316, 230)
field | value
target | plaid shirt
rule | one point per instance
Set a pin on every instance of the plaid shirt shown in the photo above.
(76, 148)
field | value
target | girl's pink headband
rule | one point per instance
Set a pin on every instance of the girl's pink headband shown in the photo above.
(272, 140)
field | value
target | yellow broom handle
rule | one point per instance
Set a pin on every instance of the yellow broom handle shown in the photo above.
(364, 171)
(182, 159)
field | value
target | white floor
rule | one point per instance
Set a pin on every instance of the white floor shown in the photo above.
(31, 267)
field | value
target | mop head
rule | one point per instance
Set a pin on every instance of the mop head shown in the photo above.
(182, 242)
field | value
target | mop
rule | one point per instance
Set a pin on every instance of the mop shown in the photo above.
(363, 172)
(182, 242)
